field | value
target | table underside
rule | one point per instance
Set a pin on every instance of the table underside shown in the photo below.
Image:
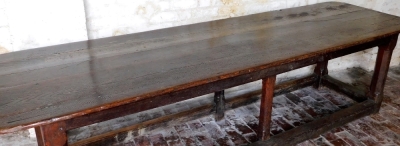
(362, 107)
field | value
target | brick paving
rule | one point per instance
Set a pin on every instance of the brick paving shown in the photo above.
(289, 110)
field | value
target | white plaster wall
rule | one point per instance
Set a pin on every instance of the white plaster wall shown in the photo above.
(27, 24)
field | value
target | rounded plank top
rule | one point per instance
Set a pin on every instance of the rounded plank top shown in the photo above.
(48, 84)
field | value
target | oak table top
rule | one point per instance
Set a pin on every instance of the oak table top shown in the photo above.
(65, 81)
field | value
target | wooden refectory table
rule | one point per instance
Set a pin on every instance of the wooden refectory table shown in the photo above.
(58, 88)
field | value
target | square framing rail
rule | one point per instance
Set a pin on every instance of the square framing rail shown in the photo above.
(368, 102)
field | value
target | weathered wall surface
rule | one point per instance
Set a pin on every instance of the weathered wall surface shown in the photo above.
(26, 24)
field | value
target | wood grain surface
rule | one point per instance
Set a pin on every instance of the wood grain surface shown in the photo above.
(56, 83)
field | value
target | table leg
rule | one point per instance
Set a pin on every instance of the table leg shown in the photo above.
(219, 101)
(381, 69)
(53, 134)
(263, 131)
(320, 70)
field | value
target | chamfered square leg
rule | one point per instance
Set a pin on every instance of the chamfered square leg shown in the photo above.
(219, 104)
(320, 70)
(381, 69)
(263, 131)
(53, 134)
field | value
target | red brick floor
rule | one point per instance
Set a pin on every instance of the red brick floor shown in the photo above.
(289, 111)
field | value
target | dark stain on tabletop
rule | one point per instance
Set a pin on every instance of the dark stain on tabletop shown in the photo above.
(344, 6)
(293, 15)
(331, 8)
(278, 18)
(304, 14)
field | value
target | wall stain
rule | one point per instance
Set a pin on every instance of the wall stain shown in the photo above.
(231, 8)
(148, 11)
(227, 2)
(119, 32)
(262, 1)
(3, 50)
(141, 10)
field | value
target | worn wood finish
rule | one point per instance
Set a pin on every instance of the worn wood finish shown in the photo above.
(267, 94)
(222, 84)
(87, 82)
(53, 134)
(320, 70)
(109, 113)
(174, 59)
(358, 94)
(319, 126)
(219, 101)
(237, 101)
(180, 95)
(381, 69)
